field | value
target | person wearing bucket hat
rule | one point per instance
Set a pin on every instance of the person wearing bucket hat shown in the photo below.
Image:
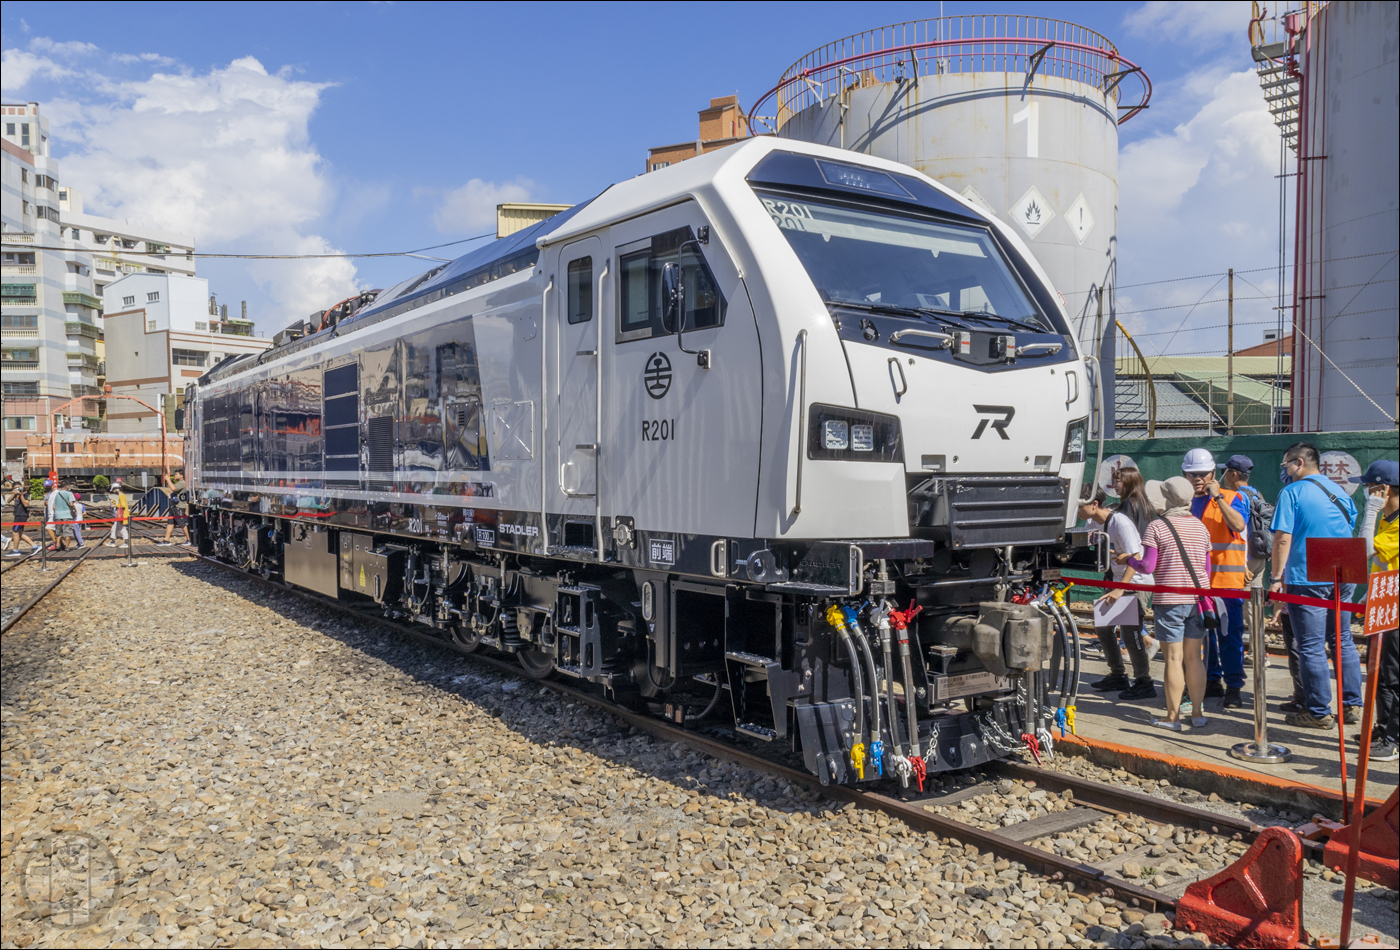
(1381, 527)
(1176, 551)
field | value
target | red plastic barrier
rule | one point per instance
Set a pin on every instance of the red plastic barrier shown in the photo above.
(1380, 845)
(1255, 902)
(1231, 593)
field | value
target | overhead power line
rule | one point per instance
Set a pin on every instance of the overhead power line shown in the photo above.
(249, 257)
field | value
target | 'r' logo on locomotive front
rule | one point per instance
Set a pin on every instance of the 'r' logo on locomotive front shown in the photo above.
(657, 375)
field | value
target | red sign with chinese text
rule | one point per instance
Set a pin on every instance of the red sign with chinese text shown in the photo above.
(1381, 602)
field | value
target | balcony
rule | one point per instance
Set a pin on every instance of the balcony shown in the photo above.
(82, 299)
(19, 333)
(19, 270)
(86, 361)
(76, 328)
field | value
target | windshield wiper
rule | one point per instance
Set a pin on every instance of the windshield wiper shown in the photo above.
(892, 309)
(985, 317)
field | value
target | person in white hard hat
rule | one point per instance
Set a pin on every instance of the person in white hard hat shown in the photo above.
(1225, 514)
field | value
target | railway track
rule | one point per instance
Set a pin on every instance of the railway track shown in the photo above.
(27, 583)
(1087, 801)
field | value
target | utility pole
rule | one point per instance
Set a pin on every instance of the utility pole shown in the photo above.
(1230, 359)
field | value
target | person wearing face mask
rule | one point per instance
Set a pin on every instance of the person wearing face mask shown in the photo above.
(1381, 528)
(1310, 506)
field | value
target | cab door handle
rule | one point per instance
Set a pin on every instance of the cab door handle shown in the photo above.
(902, 386)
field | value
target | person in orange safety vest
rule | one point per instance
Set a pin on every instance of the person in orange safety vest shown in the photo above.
(1225, 514)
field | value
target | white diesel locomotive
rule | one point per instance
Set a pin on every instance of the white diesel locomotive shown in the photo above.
(779, 439)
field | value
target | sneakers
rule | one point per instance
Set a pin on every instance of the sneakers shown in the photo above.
(1141, 689)
(1351, 715)
(1199, 722)
(1292, 706)
(162, 544)
(1306, 720)
(1215, 689)
(15, 554)
(1167, 724)
(1232, 698)
(1151, 645)
(110, 544)
(1383, 750)
(1110, 682)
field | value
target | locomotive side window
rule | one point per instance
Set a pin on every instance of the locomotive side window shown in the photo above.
(341, 420)
(581, 290)
(459, 384)
(640, 298)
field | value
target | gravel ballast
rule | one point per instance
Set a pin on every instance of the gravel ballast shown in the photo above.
(235, 766)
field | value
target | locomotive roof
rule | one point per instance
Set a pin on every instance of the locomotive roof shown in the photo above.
(635, 196)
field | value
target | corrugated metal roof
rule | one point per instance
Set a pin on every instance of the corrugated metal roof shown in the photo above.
(1245, 388)
(1174, 407)
(1208, 365)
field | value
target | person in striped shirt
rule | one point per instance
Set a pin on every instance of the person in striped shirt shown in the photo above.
(1176, 552)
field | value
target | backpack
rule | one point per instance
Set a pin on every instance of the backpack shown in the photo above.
(1261, 517)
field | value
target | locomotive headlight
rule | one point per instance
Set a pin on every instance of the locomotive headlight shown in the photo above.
(853, 434)
(1076, 435)
(835, 434)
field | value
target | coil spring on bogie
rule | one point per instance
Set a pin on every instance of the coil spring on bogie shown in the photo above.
(510, 628)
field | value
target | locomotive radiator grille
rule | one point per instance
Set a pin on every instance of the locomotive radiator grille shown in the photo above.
(983, 511)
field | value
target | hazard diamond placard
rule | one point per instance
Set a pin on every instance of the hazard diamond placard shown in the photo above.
(1381, 601)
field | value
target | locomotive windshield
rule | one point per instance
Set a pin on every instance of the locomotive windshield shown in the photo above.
(874, 258)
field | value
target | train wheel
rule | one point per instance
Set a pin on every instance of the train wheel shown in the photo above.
(536, 663)
(466, 640)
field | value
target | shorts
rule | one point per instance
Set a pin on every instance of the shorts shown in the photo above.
(181, 519)
(1175, 622)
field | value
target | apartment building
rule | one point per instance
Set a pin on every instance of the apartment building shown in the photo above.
(164, 330)
(120, 248)
(49, 326)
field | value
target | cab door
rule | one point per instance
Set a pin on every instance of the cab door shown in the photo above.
(684, 419)
(577, 362)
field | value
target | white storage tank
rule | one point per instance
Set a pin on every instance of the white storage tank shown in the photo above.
(1019, 114)
(1348, 190)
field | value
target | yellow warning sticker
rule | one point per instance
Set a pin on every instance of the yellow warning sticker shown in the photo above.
(362, 575)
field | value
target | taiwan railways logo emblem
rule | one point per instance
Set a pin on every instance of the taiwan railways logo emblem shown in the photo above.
(69, 879)
(657, 375)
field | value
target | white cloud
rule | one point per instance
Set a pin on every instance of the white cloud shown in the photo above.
(1201, 22)
(1198, 199)
(69, 48)
(471, 209)
(223, 157)
(21, 66)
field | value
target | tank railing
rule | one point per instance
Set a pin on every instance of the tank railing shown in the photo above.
(897, 54)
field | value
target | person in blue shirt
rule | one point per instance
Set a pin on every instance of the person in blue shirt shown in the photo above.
(1311, 506)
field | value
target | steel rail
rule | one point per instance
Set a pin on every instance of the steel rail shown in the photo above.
(911, 812)
(8, 566)
(15, 617)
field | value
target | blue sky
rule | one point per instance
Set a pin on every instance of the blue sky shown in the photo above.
(306, 128)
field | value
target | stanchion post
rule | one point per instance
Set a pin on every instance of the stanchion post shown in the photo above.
(1358, 808)
(1337, 671)
(128, 537)
(44, 539)
(1259, 750)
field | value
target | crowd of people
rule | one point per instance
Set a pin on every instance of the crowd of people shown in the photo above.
(1208, 528)
(63, 509)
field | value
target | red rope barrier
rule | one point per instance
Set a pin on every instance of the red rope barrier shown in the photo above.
(1231, 593)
